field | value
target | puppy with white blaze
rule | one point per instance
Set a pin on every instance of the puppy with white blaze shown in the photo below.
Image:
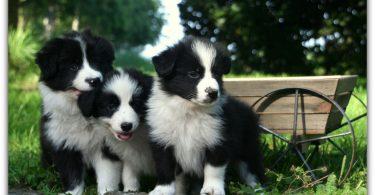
(70, 65)
(195, 127)
(119, 108)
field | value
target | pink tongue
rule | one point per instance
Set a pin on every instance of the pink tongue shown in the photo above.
(76, 92)
(124, 137)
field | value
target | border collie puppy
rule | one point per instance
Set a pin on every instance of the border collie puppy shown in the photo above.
(69, 66)
(196, 128)
(119, 108)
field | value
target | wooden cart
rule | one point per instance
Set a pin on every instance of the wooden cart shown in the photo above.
(307, 115)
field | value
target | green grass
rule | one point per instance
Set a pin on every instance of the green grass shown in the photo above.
(24, 152)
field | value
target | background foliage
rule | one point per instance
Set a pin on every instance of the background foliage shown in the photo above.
(294, 36)
(118, 20)
(22, 47)
(129, 25)
(266, 38)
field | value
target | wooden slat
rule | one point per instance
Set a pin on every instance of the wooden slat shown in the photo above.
(293, 78)
(317, 115)
(261, 86)
(342, 100)
(334, 119)
(285, 121)
(346, 83)
(300, 132)
(286, 104)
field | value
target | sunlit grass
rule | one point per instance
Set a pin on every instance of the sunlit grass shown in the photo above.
(24, 151)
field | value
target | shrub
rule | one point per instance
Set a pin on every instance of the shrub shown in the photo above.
(132, 59)
(22, 46)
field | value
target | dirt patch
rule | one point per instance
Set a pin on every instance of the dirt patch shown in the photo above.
(23, 191)
(123, 193)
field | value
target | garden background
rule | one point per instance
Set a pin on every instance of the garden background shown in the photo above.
(265, 38)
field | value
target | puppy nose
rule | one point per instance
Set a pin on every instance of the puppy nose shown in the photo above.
(126, 127)
(212, 93)
(93, 82)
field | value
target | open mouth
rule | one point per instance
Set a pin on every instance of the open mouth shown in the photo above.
(206, 102)
(124, 136)
(75, 91)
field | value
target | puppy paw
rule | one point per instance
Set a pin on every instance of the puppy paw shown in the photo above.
(163, 190)
(251, 180)
(213, 188)
(131, 188)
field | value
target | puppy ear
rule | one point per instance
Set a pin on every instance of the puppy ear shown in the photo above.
(224, 58)
(86, 102)
(227, 64)
(101, 50)
(164, 62)
(104, 54)
(47, 58)
(87, 32)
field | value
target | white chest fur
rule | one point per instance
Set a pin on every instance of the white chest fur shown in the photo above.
(135, 152)
(190, 129)
(66, 126)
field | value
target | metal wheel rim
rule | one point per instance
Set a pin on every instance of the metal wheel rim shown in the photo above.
(312, 92)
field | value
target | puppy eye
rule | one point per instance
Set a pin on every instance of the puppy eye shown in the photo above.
(74, 67)
(193, 74)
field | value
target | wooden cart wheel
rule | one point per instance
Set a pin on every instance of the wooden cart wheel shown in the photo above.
(320, 155)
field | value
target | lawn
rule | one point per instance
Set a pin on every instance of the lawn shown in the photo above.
(24, 151)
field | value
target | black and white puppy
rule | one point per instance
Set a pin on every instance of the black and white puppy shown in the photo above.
(69, 66)
(196, 128)
(119, 108)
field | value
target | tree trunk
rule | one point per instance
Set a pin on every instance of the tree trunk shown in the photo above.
(13, 6)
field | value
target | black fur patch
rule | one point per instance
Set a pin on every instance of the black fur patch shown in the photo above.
(165, 163)
(240, 124)
(61, 58)
(99, 103)
(108, 154)
(176, 65)
(138, 102)
(59, 61)
(67, 162)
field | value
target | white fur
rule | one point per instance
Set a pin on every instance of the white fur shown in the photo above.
(107, 173)
(123, 87)
(78, 190)
(214, 180)
(67, 128)
(169, 189)
(86, 72)
(130, 178)
(67, 125)
(189, 128)
(246, 175)
(206, 54)
(135, 155)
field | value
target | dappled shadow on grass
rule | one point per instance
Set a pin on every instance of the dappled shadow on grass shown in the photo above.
(290, 175)
(25, 170)
(24, 152)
